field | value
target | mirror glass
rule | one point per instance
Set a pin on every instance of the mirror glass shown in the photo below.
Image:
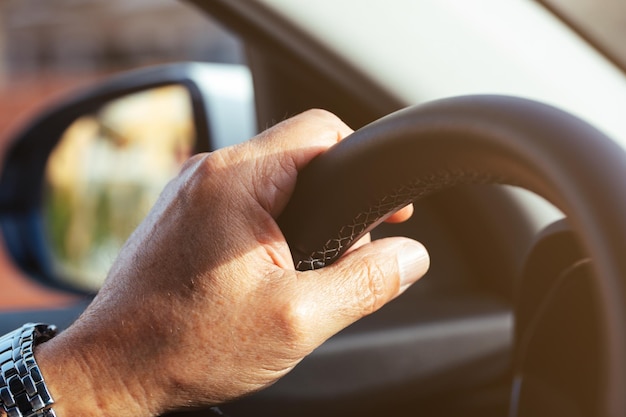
(106, 173)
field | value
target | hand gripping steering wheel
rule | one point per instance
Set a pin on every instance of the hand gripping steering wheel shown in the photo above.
(345, 192)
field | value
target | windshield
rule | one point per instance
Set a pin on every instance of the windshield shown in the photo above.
(602, 22)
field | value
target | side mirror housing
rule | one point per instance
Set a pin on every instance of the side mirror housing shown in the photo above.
(222, 112)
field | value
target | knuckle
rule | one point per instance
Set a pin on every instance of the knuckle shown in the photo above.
(209, 164)
(374, 289)
(201, 169)
(325, 118)
(291, 321)
(199, 180)
(192, 161)
(322, 114)
(289, 318)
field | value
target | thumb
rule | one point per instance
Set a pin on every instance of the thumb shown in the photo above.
(364, 280)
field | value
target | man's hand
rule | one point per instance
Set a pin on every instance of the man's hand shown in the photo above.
(203, 303)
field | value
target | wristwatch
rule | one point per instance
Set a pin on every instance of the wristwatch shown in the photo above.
(23, 392)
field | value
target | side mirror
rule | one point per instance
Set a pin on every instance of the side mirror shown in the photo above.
(79, 178)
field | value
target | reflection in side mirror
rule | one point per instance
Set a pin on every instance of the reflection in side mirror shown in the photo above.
(105, 174)
(84, 172)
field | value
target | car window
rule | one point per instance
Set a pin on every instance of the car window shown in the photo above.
(603, 21)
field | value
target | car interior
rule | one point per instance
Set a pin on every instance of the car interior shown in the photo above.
(520, 313)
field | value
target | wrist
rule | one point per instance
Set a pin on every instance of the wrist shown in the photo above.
(84, 379)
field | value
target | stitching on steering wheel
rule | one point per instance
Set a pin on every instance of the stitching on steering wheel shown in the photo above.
(384, 207)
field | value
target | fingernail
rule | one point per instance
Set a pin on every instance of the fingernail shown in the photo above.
(413, 261)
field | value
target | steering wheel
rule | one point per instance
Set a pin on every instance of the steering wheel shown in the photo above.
(347, 191)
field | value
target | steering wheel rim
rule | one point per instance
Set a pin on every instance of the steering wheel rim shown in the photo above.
(351, 188)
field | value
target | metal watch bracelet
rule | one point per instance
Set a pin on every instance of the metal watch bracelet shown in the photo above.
(23, 392)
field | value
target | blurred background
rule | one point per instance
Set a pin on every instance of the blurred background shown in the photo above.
(47, 47)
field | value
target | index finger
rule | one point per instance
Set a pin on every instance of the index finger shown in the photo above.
(283, 150)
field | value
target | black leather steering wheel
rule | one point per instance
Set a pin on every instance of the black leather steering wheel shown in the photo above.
(347, 191)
